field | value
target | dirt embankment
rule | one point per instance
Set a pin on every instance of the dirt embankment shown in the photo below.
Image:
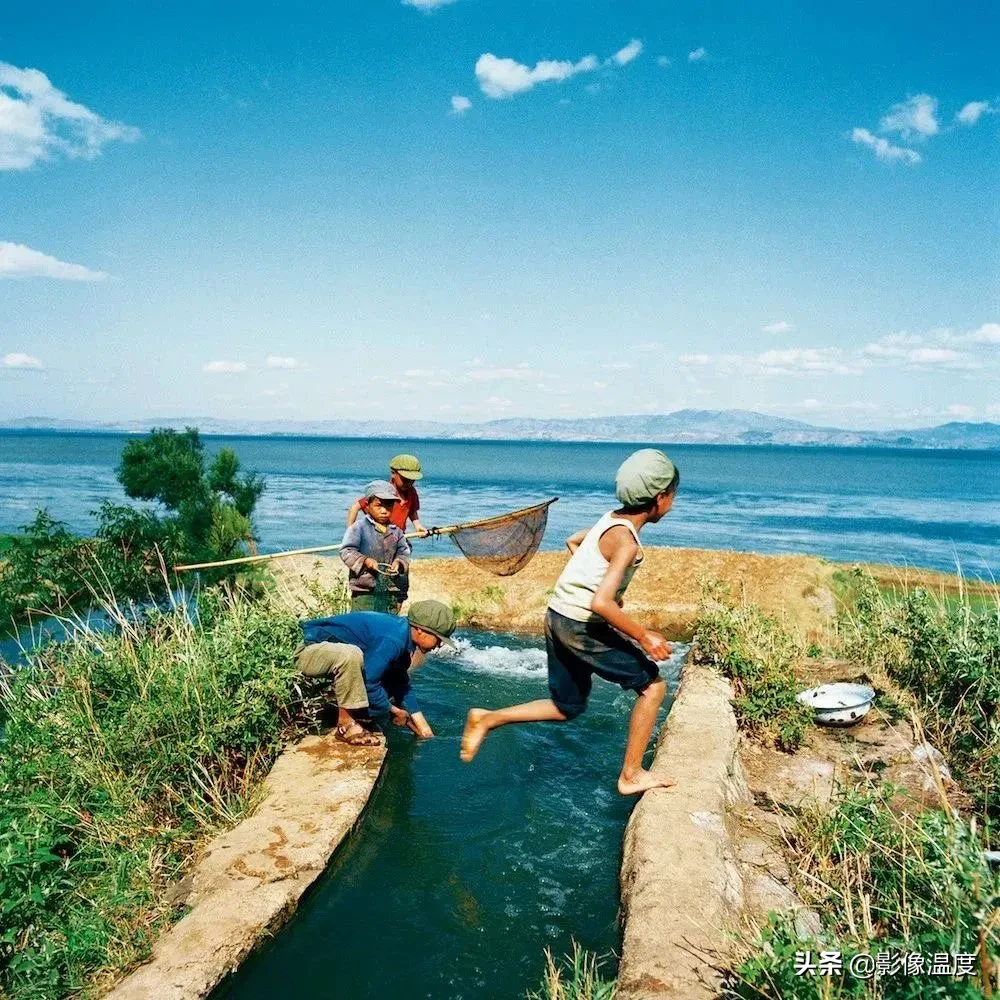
(664, 594)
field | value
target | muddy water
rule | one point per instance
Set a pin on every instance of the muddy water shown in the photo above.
(461, 874)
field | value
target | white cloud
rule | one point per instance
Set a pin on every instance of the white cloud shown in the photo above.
(18, 359)
(648, 347)
(460, 104)
(988, 333)
(224, 367)
(631, 51)
(19, 261)
(960, 410)
(600, 385)
(913, 119)
(805, 359)
(520, 373)
(973, 111)
(884, 149)
(698, 54)
(696, 359)
(663, 61)
(993, 410)
(617, 365)
(276, 361)
(426, 4)
(934, 356)
(38, 121)
(499, 78)
(781, 326)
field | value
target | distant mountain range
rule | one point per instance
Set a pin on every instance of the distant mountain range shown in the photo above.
(744, 427)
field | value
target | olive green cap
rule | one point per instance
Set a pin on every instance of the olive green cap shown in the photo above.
(642, 475)
(433, 617)
(408, 466)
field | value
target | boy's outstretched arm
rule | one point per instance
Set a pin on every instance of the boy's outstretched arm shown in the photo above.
(574, 540)
(619, 548)
(352, 514)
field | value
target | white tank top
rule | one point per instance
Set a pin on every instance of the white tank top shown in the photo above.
(582, 575)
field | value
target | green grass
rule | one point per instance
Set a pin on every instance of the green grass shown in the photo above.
(883, 881)
(946, 653)
(576, 977)
(759, 655)
(121, 754)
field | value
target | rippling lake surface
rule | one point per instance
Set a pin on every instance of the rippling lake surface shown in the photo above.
(925, 508)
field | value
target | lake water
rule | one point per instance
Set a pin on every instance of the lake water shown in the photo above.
(461, 874)
(925, 508)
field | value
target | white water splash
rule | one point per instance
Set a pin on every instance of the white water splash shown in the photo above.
(530, 662)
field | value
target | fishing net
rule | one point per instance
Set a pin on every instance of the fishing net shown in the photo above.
(505, 544)
(386, 593)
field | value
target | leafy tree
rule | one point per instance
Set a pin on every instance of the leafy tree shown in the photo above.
(211, 506)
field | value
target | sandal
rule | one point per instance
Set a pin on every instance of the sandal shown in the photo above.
(361, 739)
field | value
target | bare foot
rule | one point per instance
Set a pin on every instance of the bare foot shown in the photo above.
(474, 734)
(642, 781)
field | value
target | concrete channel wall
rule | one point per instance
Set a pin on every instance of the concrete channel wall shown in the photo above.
(681, 889)
(249, 881)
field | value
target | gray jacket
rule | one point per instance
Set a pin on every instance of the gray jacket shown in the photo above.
(363, 540)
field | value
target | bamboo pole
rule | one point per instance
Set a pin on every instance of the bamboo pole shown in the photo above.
(449, 530)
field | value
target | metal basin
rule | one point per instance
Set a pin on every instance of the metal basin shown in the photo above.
(839, 704)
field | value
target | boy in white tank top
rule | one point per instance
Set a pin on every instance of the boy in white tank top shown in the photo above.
(586, 630)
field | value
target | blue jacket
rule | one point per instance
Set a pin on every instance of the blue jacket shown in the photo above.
(386, 644)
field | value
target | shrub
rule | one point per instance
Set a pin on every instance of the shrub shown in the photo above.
(577, 977)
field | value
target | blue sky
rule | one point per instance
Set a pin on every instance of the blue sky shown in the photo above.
(476, 209)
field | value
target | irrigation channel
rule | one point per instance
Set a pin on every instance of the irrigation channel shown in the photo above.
(459, 875)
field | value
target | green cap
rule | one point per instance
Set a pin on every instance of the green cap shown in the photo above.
(642, 475)
(408, 466)
(433, 617)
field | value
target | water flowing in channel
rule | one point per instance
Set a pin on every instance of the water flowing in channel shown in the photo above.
(461, 874)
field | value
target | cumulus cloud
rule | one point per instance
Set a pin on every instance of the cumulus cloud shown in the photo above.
(663, 61)
(277, 361)
(884, 149)
(914, 119)
(629, 52)
(19, 359)
(779, 327)
(698, 54)
(224, 367)
(19, 261)
(426, 4)
(972, 112)
(38, 122)
(460, 104)
(988, 333)
(499, 78)
(796, 360)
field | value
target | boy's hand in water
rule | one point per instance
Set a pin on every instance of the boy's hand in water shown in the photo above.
(400, 717)
(655, 646)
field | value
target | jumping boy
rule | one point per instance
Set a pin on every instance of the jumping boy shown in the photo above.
(376, 553)
(586, 630)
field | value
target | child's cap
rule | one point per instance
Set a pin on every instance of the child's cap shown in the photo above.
(408, 466)
(381, 489)
(642, 475)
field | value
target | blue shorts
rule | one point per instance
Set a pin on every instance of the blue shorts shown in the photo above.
(578, 650)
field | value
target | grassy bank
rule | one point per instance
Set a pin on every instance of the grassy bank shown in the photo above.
(121, 754)
(885, 880)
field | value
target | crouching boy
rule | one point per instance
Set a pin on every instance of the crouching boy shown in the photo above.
(586, 630)
(384, 648)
